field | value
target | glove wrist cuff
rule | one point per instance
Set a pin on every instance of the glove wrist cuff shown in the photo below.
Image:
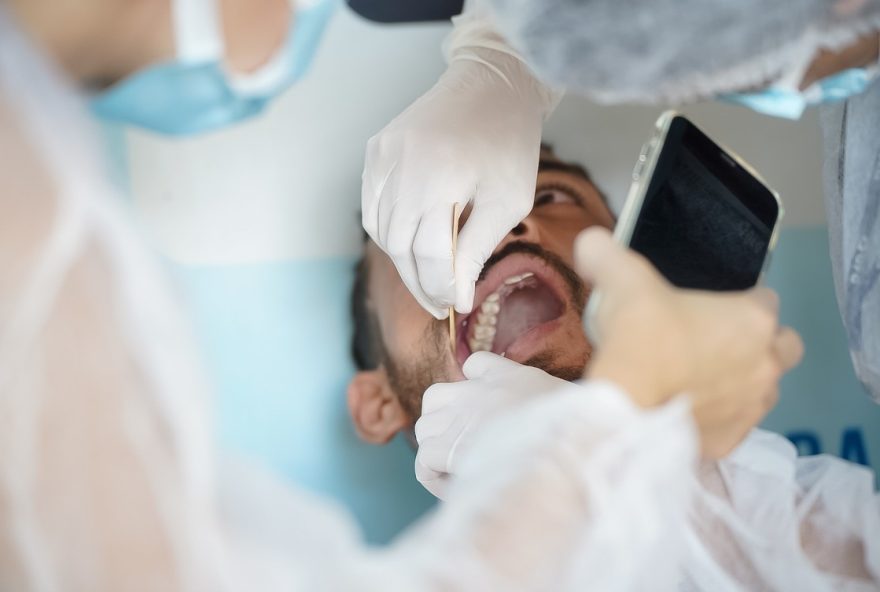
(474, 40)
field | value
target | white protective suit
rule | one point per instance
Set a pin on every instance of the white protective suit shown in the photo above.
(760, 519)
(109, 475)
(764, 519)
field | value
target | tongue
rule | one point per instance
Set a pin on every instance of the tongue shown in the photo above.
(523, 310)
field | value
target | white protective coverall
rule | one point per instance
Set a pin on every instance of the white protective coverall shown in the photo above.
(760, 519)
(764, 519)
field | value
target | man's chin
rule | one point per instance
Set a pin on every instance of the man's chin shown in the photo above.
(563, 352)
(549, 363)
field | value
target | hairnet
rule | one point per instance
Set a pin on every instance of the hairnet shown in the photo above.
(676, 50)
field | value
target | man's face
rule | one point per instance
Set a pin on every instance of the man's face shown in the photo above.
(528, 301)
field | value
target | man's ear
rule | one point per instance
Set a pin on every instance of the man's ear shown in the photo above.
(374, 407)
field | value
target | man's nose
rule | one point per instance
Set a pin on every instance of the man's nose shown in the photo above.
(526, 231)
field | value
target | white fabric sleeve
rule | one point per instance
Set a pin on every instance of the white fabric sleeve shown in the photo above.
(584, 487)
(597, 505)
(765, 519)
(109, 475)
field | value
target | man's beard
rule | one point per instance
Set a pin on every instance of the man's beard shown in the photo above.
(411, 382)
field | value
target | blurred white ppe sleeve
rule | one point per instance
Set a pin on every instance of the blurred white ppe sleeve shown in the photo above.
(107, 461)
(472, 138)
(761, 518)
(765, 519)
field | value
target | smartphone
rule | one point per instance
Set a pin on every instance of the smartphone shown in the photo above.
(698, 212)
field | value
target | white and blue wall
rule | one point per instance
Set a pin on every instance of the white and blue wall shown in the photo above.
(260, 226)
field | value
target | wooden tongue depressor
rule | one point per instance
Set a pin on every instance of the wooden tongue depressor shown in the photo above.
(456, 211)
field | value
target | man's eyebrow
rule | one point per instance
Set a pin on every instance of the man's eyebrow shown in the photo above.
(564, 167)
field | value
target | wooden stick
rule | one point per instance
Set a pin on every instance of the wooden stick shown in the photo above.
(456, 211)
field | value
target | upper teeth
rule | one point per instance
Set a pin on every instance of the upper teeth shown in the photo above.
(515, 279)
(487, 317)
(484, 332)
(490, 308)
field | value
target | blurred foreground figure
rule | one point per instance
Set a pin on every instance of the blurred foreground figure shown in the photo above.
(109, 477)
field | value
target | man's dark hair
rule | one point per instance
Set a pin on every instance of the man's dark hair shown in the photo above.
(367, 347)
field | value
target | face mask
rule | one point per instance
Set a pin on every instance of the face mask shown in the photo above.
(195, 92)
(786, 100)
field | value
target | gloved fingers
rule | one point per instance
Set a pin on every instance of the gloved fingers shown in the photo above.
(406, 267)
(483, 363)
(466, 273)
(487, 225)
(436, 483)
(433, 452)
(397, 221)
(416, 239)
(373, 183)
(432, 248)
(441, 395)
(438, 423)
(399, 246)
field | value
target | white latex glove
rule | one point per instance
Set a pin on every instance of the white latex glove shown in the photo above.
(473, 138)
(452, 413)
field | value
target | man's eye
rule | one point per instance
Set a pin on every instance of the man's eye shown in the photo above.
(546, 197)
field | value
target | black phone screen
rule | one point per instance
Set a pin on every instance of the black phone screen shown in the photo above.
(706, 223)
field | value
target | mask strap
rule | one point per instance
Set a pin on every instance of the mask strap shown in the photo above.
(307, 21)
(198, 34)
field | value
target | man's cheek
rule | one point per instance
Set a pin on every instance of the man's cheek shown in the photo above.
(578, 346)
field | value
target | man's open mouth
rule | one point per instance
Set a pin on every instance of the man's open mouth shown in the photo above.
(515, 305)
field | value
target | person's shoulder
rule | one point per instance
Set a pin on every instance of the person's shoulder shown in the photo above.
(768, 455)
(764, 450)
